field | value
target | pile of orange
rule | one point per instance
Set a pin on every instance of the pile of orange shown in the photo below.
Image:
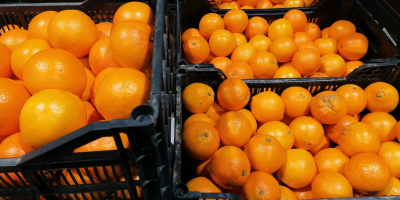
(261, 4)
(293, 145)
(289, 47)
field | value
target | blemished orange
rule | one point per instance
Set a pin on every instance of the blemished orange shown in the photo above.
(297, 18)
(103, 29)
(287, 72)
(381, 97)
(324, 33)
(390, 153)
(264, 65)
(135, 52)
(301, 37)
(5, 64)
(222, 42)
(328, 107)
(233, 94)
(229, 176)
(280, 131)
(283, 48)
(298, 168)
(263, 4)
(332, 65)
(236, 21)
(197, 97)
(333, 131)
(383, 124)
(293, 3)
(101, 56)
(351, 66)
(38, 26)
(215, 111)
(303, 193)
(324, 144)
(359, 138)
(367, 173)
(306, 61)
(196, 49)
(355, 97)
(330, 184)
(13, 38)
(256, 26)
(319, 74)
(267, 102)
(243, 53)
(202, 168)
(280, 27)
(221, 63)
(240, 38)
(226, 6)
(203, 185)
(252, 120)
(260, 42)
(307, 131)
(313, 30)
(134, 11)
(54, 69)
(234, 129)
(198, 117)
(326, 46)
(341, 28)
(297, 101)
(60, 112)
(200, 140)
(97, 82)
(393, 188)
(261, 185)
(189, 33)
(330, 159)
(89, 82)
(209, 23)
(353, 46)
(287, 194)
(308, 45)
(92, 114)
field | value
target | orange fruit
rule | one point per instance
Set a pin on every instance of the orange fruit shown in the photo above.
(189, 33)
(233, 94)
(202, 168)
(261, 185)
(324, 33)
(339, 148)
(200, 140)
(215, 111)
(209, 23)
(381, 97)
(332, 65)
(390, 153)
(240, 38)
(306, 61)
(333, 131)
(328, 107)
(265, 153)
(287, 194)
(297, 18)
(97, 82)
(330, 159)
(134, 11)
(301, 37)
(236, 21)
(85, 62)
(383, 124)
(287, 72)
(92, 114)
(203, 185)
(103, 29)
(243, 53)
(357, 117)
(313, 30)
(135, 52)
(260, 42)
(297, 101)
(101, 56)
(234, 129)
(226, 6)
(229, 176)
(355, 97)
(38, 26)
(196, 49)
(329, 184)
(252, 3)
(252, 120)
(277, 1)
(294, 3)
(278, 6)
(280, 131)
(104, 144)
(283, 48)
(326, 46)
(307, 131)
(8, 27)
(246, 7)
(341, 28)
(359, 137)
(5, 64)
(324, 144)
(319, 74)
(303, 193)
(13, 38)
(351, 66)
(353, 46)
(264, 65)
(198, 97)
(263, 4)
(298, 168)
(222, 42)
(393, 189)
(280, 27)
(308, 45)
(256, 26)
(235, 4)
(288, 64)
(367, 173)
(89, 82)
(267, 102)
(198, 117)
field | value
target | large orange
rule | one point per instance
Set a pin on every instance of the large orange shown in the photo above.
(215, 111)
(92, 114)
(359, 138)
(264, 65)
(267, 102)
(103, 29)
(256, 26)
(240, 38)
(294, 3)
(203, 185)
(353, 46)
(202, 168)
(236, 21)
(263, 4)
(261, 185)
(13, 38)
(283, 48)
(89, 82)
(351, 66)
(38, 26)
(260, 42)
(243, 53)
(390, 153)
(280, 27)
(200, 140)
(297, 101)
(222, 42)
(329, 184)
(229, 176)
(332, 65)
(324, 144)
(197, 97)
(303, 193)
(234, 129)
(209, 23)
(101, 56)
(196, 49)
(96, 83)
(333, 131)
(307, 131)
(287, 72)
(54, 69)
(341, 28)
(330, 159)
(5, 64)
(280, 131)
(240, 70)
(383, 123)
(306, 61)
(326, 45)
(134, 11)
(393, 189)
(252, 120)
(233, 94)
(381, 97)
(287, 194)
(328, 107)
(355, 97)
(221, 63)
(199, 117)
(189, 33)
(313, 30)
(301, 37)
(297, 18)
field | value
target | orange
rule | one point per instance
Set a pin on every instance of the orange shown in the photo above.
(330, 159)
(252, 3)
(355, 97)
(59, 111)
(97, 82)
(296, 17)
(5, 64)
(236, 21)
(235, 4)
(200, 140)
(263, 4)
(328, 107)
(89, 82)
(134, 11)
(329, 184)
(229, 176)
(313, 30)
(280, 131)
(73, 31)
(308, 3)
(333, 131)
(13, 38)
(8, 27)
(132, 44)
(202, 168)
(326, 46)
(267, 102)
(198, 97)
(351, 66)
(264, 65)
(198, 117)
(280, 27)
(308, 45)
(390, 153)
(203, 185)
(243, 53)
(381, 97)
(256, 26)
(222, 42)
(324, 144)
(233, 94)
(319, 74)
(104, 144)
(367, 173)
(353, 46)
(301, 37)
(260, 42)
(287, 72)
(341, 28)
(54, 69)
(265, 153)
(234, 129)
(38, 26)
(215, 111)
(287, 194)
(252, 120)
(117, 88)
(393, 189)
(85, 62)
(324, 33)
(189, 33)
(303, 193)
(307, 131)
(306, 61)
(246, 7)
(332, 65)
(298, 168)
(288, 64)
(103, 29)
(297, 101)
(92, 114)
(383, 124)
(294, 3)
(277, 1)
(357, 117)
(339, 148)
(283, 48)
(359, 138)
(101, 56)
(278, 6)
(261, 185)
(240, 38)
(226, 6)
(196, 49)
(209, 23)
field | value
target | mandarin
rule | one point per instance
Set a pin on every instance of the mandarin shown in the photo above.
(328, 107)
(306, 61)
(390, 153)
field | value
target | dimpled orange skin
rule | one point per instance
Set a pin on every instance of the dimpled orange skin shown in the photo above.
(234, 129)
(38, 26)
(355, 97)
(297, 101)
(382, 97)
(198, 97)
(222, 42)
(196, 50)
(256, 26)
(261, 185)
(13, 38)
(331, 185)
(209, 23)
(233, 94)
(280, 131)
(134, 11)
(307, 131)
(267, 102)
(383, 123)
(328, 107)
(390, 152)
(330, 159)
(283, 48)
(101, 56)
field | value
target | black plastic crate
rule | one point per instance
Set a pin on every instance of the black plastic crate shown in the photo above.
(148, 130)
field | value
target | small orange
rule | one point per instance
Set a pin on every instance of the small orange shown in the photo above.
(234, 129)
(252, 3)
(294, 3)
(297, 18)
(202, 168)
(92, 114)
(243, 53)
(260, 42)
(89, 82)
(197, 97)
(267, 102)
(355, 97)
(38, 26)
(280, 27)
(297, 101)
(333, 131)
(236, 21)
(393, 189)
(319, 74)
(308, 45)
(287, 72)
(134, 11)
(252, 120)
(303, 193)
(198, 117)
(264, 4)
(353, 46)
(103, 29)
(287, 194)
(313, 30)
(196, 49)
(351, 66)
(261, 185)
(240, 38)
(324, 33)
(13, 38)
(209, 23)
(200, 140)
(341, 28)
(329, 184)
(307, 131)
(264, 65)
(306, 61)
(381, 97)
(280, 131)
(233, 94)
(330, 159)
(383, 123)
(226, 6)
(189, 33)
(222, 42)
(215, 111)
(301, 37)
(256, 26)
(326, 46)
(246, 7)
(324, 144)
(203, 185)
(283, 48)
(5, 64)
(221, 63)
(332, 65)
(240, 70)
(328, 107)
(101, 56)
(390, 153)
